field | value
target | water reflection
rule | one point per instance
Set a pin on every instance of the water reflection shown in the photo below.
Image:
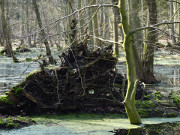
(169, 77)
(176, 78)
(158, 129)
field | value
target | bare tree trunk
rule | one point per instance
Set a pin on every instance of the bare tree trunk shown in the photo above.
(27, 23)
(43, 35)
(172, 20)
(81, 20)
(115, 31)
(22, 26)
(179, 23)
(6, 32)
(129, 101)
(95, 25)
(102, 22)
(151, 38)
(91, 41)
(135, 22)
(134, 10)
(106, 23)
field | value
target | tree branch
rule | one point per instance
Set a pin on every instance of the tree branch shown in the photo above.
(150, 27)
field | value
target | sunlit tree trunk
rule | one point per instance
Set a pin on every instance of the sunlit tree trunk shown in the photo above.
(115, 30)
(45, 17)
(6, 34)
(102, 22)
(23, 23)
(91, 41)
(178, 6)
(81, 20)
(27, 23)
(107, 26)
(95, 26)
(129, 101)
(43, 35)
(172, 20)
(151, 38)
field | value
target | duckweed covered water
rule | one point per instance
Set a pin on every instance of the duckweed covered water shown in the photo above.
(85, 124)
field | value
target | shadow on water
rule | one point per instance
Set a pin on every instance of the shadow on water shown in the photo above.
(156, 129)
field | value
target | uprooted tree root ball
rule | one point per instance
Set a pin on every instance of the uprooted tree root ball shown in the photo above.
(86, 82)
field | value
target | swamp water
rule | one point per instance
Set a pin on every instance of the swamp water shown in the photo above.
(83, 124)
(167, 69)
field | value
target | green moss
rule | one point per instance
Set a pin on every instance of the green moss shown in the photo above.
(172, 114)
(145, 104)
(1, 122)
(145, 108)
(21, 118)
(28, 59)
(11, 125)
(30, 76)
(5, 99)
(158, 95)
(148, 96)
(18, 88)
(15, 122)
(175, 98)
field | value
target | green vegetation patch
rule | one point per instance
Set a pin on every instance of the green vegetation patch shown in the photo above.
(146, 108)
(15, 122)
(5, 99)
(1, 122)
(175, 98)
(31, 75)
(157, 95)
(18, 88)
(28, 59)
